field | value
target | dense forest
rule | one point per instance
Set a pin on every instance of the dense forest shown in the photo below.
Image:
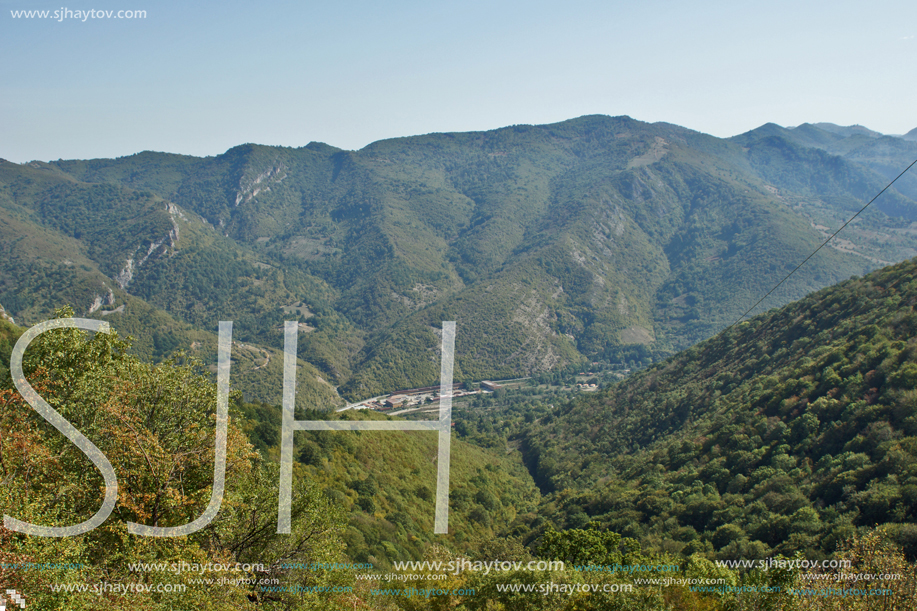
(782, 434)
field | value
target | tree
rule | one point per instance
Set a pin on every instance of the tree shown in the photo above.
(156, 426)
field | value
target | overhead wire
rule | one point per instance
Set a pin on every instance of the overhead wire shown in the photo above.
(759, 332)
(823, 244)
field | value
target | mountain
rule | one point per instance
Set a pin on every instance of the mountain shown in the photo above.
(781, 434)
(86, 244)
(885, 155)
(599, 238)
(847, 131)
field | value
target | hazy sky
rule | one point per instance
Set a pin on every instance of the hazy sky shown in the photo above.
(199, 78)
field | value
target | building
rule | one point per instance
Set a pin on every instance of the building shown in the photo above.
(395, 401)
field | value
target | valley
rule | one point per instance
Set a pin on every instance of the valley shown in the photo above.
(610, 408)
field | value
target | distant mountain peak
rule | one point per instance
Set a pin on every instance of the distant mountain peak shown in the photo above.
(850, 130)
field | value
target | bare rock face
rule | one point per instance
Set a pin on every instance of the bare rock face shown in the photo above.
(6, 316)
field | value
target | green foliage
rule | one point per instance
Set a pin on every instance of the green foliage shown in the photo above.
(784, 433)
(8, 335)
(387, 481)
(155, 424)
(587, 547)
(870, 553)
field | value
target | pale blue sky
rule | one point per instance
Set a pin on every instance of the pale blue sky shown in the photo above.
(199, 79)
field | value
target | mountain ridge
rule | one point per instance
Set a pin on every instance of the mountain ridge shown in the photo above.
(549, 244)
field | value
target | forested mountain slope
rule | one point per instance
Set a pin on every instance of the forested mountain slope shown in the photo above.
(595, 238)
(887, 155)
(783, 433)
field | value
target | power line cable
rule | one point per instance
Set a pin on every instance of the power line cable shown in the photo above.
(822, 246)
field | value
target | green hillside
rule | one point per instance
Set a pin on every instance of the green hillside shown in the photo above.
(785, 433)
(161, 276)
(386, 482)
